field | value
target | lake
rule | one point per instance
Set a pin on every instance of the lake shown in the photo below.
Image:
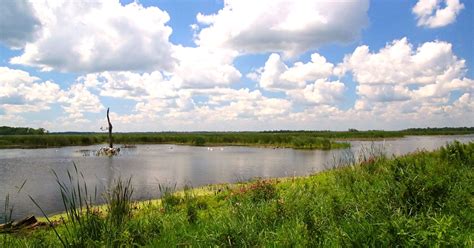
(151, 165)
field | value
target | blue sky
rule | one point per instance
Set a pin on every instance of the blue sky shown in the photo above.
(236, 65)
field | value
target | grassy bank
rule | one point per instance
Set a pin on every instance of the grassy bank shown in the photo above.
(423, 199)
(288, 139)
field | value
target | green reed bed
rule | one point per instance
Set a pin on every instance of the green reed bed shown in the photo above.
(295, 140)
(422, 199)
(288, 139)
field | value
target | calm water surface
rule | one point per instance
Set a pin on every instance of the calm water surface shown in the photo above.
(150, 165)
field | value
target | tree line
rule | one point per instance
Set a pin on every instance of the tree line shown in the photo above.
(5, 130)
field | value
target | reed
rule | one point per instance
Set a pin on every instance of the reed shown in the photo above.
(84, 224)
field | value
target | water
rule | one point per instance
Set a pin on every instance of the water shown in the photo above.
(150, 165)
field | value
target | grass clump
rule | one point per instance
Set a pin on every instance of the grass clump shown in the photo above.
(423, 199)
(119, 202)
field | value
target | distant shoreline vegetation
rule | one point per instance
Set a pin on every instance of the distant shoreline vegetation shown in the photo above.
(5, 130)
(12, 137)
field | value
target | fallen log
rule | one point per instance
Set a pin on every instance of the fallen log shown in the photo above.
(29, 222)
(5, 226)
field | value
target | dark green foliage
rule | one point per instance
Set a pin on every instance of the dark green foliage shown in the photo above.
(439, 130)
(4, 130)
(199, 141)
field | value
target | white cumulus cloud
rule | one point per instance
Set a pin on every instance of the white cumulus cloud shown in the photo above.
(399, 72)
(291, 27)
(21, 92)
(201, 67)
(275, 75)
(130, 85)
(94, 36)
(77, 100)
(323, 92)
(430, 13)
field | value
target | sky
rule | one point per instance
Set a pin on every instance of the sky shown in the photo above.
(213, 65)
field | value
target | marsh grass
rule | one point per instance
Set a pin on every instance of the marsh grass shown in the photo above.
(119, 206)
(119, 201)
(290, 139)
(297, 140)
(81, 222)
(424, 199)
(87, 225)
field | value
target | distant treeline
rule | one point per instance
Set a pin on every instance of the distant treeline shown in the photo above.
(410, 131)
(281, 138)
(4, 130)
(439, 130)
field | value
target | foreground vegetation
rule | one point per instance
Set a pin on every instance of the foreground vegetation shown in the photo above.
(288, 139)
(423, 199)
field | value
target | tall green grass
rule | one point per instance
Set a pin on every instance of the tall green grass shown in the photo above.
(86, 225)
(424, 199)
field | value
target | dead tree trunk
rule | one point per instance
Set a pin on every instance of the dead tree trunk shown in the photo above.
(110, 130)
